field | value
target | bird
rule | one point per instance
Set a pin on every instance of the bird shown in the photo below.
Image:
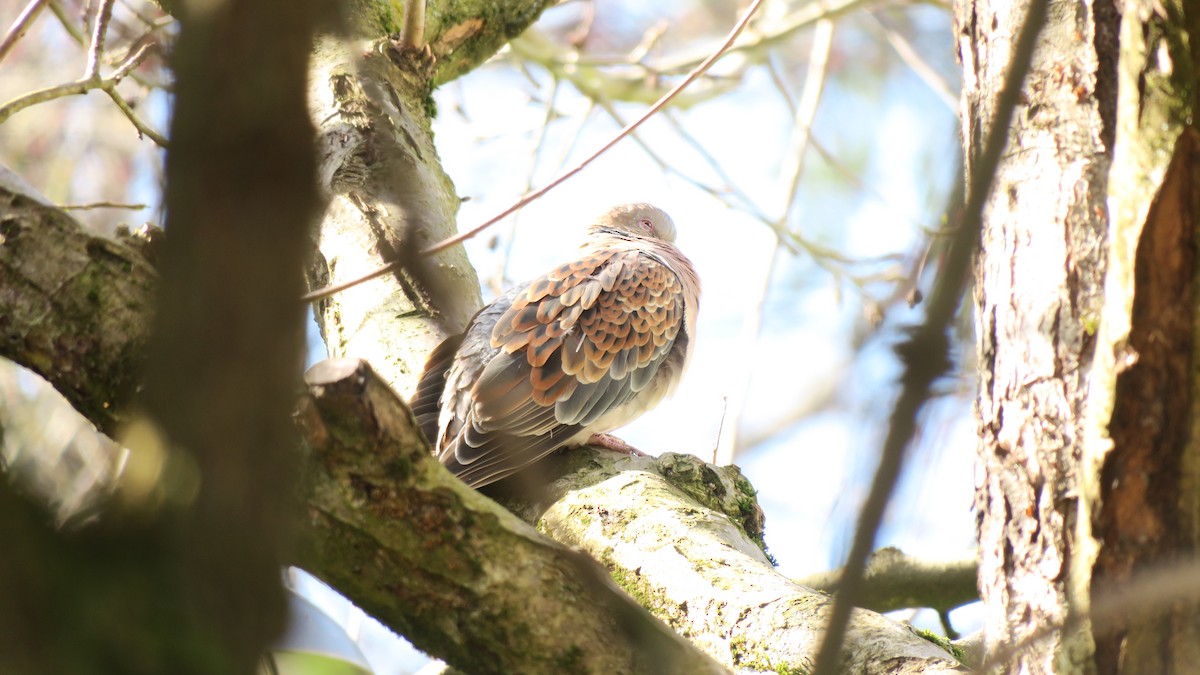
(564, 358)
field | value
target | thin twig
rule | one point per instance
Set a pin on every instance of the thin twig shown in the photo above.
(629, 128)
(99, 33)
(926, 352)
(779, 31)
(48, 94)
(67, 22)
(458, 239)
(132, 62)
(83, 86)
(599, 97)
(80, 39)
(777, 80)
(860, 183)
(731, 186)
(607, 105)
(538, 146)
(918, 65)
(143, 128)
(20, 26)
(806, 112)
(101, 205)
(141, 16)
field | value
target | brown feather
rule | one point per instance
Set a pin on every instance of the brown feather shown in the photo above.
(579, 350)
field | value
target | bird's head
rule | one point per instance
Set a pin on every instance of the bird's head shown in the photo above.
(635, 221)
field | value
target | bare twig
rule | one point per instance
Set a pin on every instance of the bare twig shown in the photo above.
(89, 83)
(150, 21)
(48, 94)
(926, 352)
(132, 62)
(538, 147)
(898, 581)
(99, 33)
(806, 112)
(530, 197)
(860, 183)
(143, 128)
(752, 47)
(17, 31)
(779, 31)
(747, 204)
(777, 80)
(68, 24)
(918, 65)
(598, 98)
(629, 128)
(101, 205)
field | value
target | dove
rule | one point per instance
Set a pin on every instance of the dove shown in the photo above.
(566, 357)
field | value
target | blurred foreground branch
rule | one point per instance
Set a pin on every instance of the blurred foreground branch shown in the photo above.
(894, 581)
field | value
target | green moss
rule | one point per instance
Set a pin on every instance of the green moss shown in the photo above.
(647, 596)
(389, 16)
(399, 469)
(1091, 323)
(941, 641)
(748, 658)
(571, 661)
(430, 104)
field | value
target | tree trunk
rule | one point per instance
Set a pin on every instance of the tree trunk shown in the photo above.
(1149, 487)
(371, 99)
(1057, 501)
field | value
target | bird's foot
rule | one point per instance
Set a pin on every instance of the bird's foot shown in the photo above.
(615, 444)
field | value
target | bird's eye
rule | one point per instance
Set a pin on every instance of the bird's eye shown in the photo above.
(645, 223)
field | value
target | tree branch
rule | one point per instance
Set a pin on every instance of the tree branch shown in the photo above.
(476, 581)
(20, 25)
(672, 531)
(75, 306)
(894, 581)
(89, 83)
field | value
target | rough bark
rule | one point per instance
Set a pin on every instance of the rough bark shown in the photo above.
(1088, 455)
(388, 198)
(388, 195)
(74, 305)
(1038, 301)
(1146, 379)
(684, 537)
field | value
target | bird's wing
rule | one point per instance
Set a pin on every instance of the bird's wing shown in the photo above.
(426, 400)
(570, 347)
